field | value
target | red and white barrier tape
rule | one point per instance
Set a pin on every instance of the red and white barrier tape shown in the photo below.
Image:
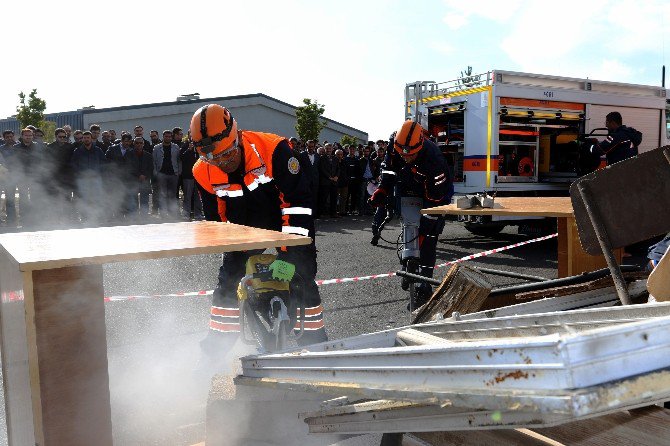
(346, 279)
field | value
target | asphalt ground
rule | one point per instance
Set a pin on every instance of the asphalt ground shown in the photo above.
(157, 395)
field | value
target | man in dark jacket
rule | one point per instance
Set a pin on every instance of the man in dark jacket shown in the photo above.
(25, 173)
(88, 164)
(621, 142)
(355, 177)
(312, 163)
(192, 206)
(342, 183)
(117, 178)
(58, 171)
(328, 176)
(140, 168)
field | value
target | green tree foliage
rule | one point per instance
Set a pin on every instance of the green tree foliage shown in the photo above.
(348, 139)
(49, 128)
(308, 122)
(32, 112)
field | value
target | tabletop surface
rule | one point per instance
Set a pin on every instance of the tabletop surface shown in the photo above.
(73, 247)
(514, 206)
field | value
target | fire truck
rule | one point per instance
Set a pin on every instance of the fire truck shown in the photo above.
(521, 134)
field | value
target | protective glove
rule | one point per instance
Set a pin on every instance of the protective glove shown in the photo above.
(282, 270)
(378, 198)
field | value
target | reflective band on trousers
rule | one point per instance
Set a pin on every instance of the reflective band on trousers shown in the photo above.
(295, 230)
(296, 211)
(224, 327)
(313, 318)
(388, 172)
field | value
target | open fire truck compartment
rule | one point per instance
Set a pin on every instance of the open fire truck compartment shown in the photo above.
(519, 133)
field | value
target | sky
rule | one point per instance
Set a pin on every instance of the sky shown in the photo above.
(354, 57)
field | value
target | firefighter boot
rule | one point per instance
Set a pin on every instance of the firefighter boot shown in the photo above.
(375, 236)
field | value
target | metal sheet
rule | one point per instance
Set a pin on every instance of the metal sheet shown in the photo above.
(553, 361)
(504, 326)
(632, 206)
(638, 391)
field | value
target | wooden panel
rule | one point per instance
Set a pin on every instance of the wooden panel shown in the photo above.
(513, 206)
(630, 197)
(58, 249)
(643, 427)
(659, 279)
(579, 261)
(15, 369)
(649, 426)
(71, 348)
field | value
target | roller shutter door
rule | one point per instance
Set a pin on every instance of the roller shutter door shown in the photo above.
(646, 120)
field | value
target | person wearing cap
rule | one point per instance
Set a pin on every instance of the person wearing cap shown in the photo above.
(259, 182)
(415, 166)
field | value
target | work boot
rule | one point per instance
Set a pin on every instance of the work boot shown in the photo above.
(375, 237)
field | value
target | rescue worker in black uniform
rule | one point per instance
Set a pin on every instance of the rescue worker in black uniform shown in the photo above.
(621, 142)
(417, 168)
(258, 182)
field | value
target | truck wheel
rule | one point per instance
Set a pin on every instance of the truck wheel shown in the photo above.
(484, 231)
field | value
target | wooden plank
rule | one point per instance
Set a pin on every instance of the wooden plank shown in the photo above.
(71, 349)
(513, 206)
(14, 286)
(579, 261)
(462, 289)
(73, 247)
(659, 279)
(649, 426)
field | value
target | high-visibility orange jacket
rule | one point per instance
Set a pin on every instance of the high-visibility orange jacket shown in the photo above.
(269, 190)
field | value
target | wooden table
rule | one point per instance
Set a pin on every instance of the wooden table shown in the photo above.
(52, 319)
(572, 259)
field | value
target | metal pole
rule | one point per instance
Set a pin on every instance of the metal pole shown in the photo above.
(498, 272)
(605, 245)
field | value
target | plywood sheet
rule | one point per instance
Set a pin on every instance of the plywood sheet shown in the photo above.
(513, 206)
(659, 279)
(632, 198)
(74, 247)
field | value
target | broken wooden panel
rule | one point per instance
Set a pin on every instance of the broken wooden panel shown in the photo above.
(463, 290)
(628, 203)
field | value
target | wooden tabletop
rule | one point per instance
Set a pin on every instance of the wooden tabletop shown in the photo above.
(513, 206)
(73, 247)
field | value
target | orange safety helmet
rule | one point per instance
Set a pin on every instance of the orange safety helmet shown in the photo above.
(409, 139)
(213, 131)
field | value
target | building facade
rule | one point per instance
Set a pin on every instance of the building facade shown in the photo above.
(253, 112)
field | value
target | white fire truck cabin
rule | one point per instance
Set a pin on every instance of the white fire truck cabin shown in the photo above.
(518, 134)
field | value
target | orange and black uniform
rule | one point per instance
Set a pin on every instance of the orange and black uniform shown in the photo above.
(269, 190)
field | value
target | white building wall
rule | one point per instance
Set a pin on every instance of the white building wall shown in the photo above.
(257, 112)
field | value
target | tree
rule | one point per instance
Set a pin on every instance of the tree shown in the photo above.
(31, 113)
(467, 80)
(348, 139)
(49, 128)
(308, 120)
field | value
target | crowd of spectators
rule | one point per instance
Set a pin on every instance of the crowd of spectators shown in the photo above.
(93, 178)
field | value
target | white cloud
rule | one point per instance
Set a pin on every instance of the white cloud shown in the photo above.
(499, 11)
(443, 48)
(455, 21)
(613, 70)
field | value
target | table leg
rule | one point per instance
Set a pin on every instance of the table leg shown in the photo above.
(56, 359)
(572, 259)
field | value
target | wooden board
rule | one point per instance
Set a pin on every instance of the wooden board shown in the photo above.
(659, 279)
(73, 247)
(513, 206)
(463, 290)
(649, 426)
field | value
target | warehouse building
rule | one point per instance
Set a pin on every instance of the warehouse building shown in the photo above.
(254, 112)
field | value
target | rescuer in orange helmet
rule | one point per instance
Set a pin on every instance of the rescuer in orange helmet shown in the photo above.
(258, 181)
(415, 166)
